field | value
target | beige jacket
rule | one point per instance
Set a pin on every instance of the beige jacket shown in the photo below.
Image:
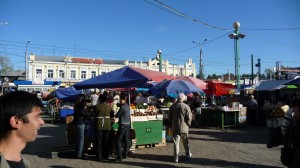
(4, 163)
(180, 117)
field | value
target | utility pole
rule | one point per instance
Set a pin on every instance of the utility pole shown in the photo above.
(228, 75)
(201, 65)
(26, 59)
(201, 76)
(252, 76)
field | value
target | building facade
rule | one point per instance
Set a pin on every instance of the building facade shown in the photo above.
(70, 70)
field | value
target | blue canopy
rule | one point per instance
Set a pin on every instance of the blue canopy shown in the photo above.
(125, 77)
(174, 87)
(68, 94)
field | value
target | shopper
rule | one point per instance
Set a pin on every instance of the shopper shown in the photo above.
(251, 105)
(103, 114)
(292, 137)
(180, 117)
(94, 98)
(123, 131)
(197, 109)
(79, 117)
(19, 124)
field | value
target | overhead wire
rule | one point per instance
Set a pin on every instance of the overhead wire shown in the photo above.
(178, 13)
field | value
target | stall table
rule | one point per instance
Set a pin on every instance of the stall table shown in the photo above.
(148, 129)
(220, 118)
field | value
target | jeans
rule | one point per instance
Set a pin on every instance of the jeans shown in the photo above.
(198, 120)
(122, 136)
(79, 140)
(103, 144)
(176, 139)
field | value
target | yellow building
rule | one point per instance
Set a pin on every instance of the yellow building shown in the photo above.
(70, 70)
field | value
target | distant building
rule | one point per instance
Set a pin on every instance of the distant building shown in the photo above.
(69, 70)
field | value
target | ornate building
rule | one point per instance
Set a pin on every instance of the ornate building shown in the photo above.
(69, 70)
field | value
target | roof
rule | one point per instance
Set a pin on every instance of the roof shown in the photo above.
(14, 73)
(270, 85)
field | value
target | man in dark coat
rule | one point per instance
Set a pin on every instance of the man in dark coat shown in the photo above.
(123, 131)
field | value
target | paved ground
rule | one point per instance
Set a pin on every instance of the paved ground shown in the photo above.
(237, 148)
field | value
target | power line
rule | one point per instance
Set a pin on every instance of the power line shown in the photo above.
(180, 14)
(276, 42)
(183, 50)
(271, 29)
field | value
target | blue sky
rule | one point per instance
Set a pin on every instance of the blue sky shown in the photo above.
(136, 29)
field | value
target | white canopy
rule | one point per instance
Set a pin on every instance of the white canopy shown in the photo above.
(271, 85)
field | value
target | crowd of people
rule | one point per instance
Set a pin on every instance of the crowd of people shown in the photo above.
(110, 107)
(21, 120)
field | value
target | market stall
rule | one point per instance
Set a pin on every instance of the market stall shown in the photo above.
(149, 127)
(224, 117)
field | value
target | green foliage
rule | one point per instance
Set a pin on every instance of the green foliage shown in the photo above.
(141, 106)
(5, 65)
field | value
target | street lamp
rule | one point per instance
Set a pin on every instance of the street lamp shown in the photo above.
(160, 60)
(201, 58)
(236, 36)
(26, 59)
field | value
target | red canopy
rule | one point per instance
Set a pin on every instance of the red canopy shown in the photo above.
(153, 75)
(199, 83)
(218, 88)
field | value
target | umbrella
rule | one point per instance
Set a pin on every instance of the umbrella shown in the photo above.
(199, 83)
(125, 77)
(174, 87)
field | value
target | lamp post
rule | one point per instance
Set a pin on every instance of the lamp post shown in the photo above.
(236, 36)
(160, 60)
(26, 59)
(259, 69)
(201, 58)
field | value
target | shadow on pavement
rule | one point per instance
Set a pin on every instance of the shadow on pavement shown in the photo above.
(49, 136)
(244, 134)
(197, 162)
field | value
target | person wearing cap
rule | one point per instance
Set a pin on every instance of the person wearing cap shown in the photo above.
(180, 118)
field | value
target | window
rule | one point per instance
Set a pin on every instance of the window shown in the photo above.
(83, 74)
(61, 74)
(39, 73)
(93, 74)
(50, 73)
(73, 74)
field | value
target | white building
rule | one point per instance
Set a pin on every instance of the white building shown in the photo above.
(70, 70)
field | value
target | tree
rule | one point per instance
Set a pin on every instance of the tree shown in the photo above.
(268, 72)
(213, 76)
(5, 65)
